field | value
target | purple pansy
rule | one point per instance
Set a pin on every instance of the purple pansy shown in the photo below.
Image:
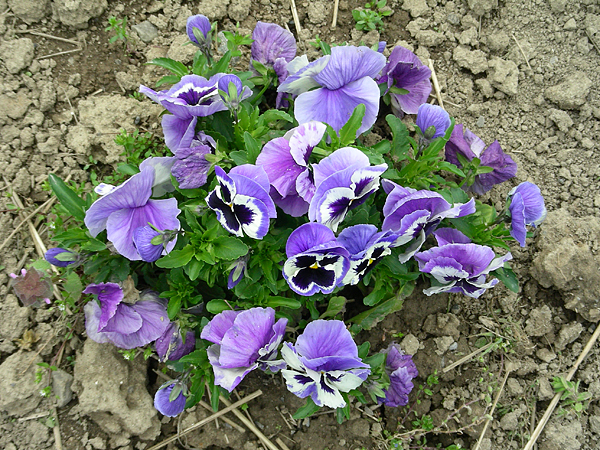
(171, 346)
(285, 161)
(324, 362)
(243, 341)
(241, 200)
(163, 402)
(464, 142)
(344, 80)
(142, 239)
(125, 325)
(202, 24)
(415, 214)
(31, 286)
(61, 257)
(405, 70)
(124, 208)
(232, 91)
(460, 268)
(190, 168)
(401, 369)
(526, 208)
(316, 262)
(445, 236)
(344, 180)
(432, 116)
(366, 247)
(238, 270)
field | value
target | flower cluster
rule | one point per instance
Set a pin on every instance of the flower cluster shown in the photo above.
(270, 217)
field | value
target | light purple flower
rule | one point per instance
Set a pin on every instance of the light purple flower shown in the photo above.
(241, 201)
(31, 286)
(243, 341)
(163, 402)
(463, 141)
(316, 262)
(381, 46)
(191, 167)
(272, 43)
(366, 247)
(401, 369)
(125, 325)
(61, 257)
(202, 24)
(445, 236)
(344, 180)
(124, 208)
(171, 346)
(432, 116)
(526, 208)
(324, 362)
(285, 161)
(460, 268)
(142, 240)
(405, 70)
(343, 80)
(415, 214)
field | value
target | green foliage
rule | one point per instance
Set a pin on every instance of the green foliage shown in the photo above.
(118, 27)
(370, 18)
(571, 400)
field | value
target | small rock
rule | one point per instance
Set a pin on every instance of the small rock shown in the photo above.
(410, 344)
(127, 80)
(570, 25)
(497, 41)
(442, 325)
(443, 344)
(545, 355)
(539, 322)
(510, 421)
(15, 320)
(475, 60)
(17, 54)
(568, 334)
(571, 93)
(179, 51)
(416, 8)
(485, 87)
(594, 422)
(468, 37)
(592, 24)
(481, 7)
(504, 75)
(561, 435)
(514, 387)
(47, 96)
(318, 12)
(561, 119)
(29, 11)
(240, 9)
(61, 387)
(214, 9)
(558, 5)
(146, 31)
(77, 13)
(19, 394)
(78, 139)
(15, 105)
(480, 122)
(545, 391)
(98, 443)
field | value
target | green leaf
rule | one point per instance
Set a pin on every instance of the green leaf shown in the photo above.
(252, 147)
(336, 306)
(400, 143)
(93, 245)
(363, 349)
(307, 410)
(192, 269)
(174, 307)
(239, 157)
(174, 66)
(229, 248)
(168, 79)
(74, 204)
(216, 306)
(449, 167)
(348, 131)
(273, 115)
(177, 258)
(508, 277)
(275, 302)
(221, 65)
(368, 319)
(73, 286)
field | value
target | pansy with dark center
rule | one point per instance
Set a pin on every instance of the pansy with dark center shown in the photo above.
(324, 362)
(316, 262)
(344, 180)
(526, 208)
(460, 268)
(241, 201)
(416, 214)
(366, 247)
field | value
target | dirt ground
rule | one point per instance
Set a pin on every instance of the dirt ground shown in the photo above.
(524, 72)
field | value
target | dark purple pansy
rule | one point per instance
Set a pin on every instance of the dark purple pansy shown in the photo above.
(243, 341)
(415, 214)
(344, 180)
(124, 208)
(165, 404)
(464, 142)
(405, 70)
(61, 257)
(401, 369)
(460, 268)
(343, 80)
(202, 24)
(324, 362)
(366, 247)
(171, 345)
(429, 116)
(31, 286)
(316, 262)
(285, 161)
(526, 208)
(241, 200)
(125, 325)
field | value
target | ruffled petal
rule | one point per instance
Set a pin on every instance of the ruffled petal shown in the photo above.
(348, 64)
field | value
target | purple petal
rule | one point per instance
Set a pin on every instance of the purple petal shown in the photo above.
(533, 203)
(409, 103)
(445, 236)
(356, 238)
(272, 42)
(331, 207)
(218, 326)
(230, 78)
(125, 321)
(253, 215)
(341, 159)
(154, 323)
(256, 173)
(473, 258)
(301, 74)
(475, 143)
(304, 139)
(51, 257)
(198, 21)
(433, 116)
(162, 174)
(309, 273)
(458, 144)
(178, 131)
(142, 239)
(348, 64)
(503, 165)
(110, 296)
(92, 322)
(293, 205)
(191, 167)
(326, 338)
(517, 221)
(306, 237)
(279, 165)
(405, 69)
(166, 407)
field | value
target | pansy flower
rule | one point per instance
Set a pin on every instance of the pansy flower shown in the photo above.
(366, 247)
(241, 200)
(415, 214)
(323, 363)
(124, 208)
(460, 268)
(170, 403)
(401, 370)
(285, 161)
(191, 167)
(243, 341)
(464, 142)
(170, 346)
(432, 120)
(61, 257)
(124, 324)
(405, 70)
(316, 262)
(343, 80)
(198, 30)
(526, 208)
(344, 180)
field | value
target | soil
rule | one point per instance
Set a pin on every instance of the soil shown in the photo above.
(522, 72)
